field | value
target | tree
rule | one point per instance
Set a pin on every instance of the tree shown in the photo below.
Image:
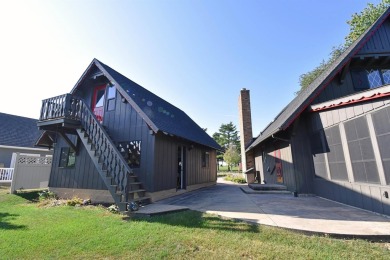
(227, 135)
(358, 24)
(231, 156)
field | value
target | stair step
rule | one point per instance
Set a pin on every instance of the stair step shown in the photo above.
(140, 199)
(135, 183)
(135, 191)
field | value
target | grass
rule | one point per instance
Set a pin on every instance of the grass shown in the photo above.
(234, 169)
(30, 232)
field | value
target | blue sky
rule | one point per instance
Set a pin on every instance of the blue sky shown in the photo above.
(196, 55)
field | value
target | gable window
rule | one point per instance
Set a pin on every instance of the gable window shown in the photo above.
(205, 159)
(370, 78)
(111, 95)
(67, 157)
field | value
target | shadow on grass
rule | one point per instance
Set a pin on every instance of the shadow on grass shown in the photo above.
(4, 217)
(195, 219)
(32, 196)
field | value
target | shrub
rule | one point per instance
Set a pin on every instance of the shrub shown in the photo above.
(235, 178)
(74, 202)
(44, 195)
(113, 209)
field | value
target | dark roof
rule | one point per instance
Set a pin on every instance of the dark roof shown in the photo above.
(159, 114)
(18, 131)
(288, 114)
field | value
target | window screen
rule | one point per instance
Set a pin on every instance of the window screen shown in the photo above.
(318, 152)
(381, 120)
(361, 151)
(205, 159)
(336, 160)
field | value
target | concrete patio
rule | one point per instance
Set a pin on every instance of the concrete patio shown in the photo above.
(305, 214)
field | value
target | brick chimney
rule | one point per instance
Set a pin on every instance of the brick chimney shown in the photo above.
(246, 136)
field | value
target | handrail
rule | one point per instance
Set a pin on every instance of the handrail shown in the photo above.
(6, 174)
(107, 152)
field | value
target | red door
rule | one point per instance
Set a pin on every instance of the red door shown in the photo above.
(98, 102)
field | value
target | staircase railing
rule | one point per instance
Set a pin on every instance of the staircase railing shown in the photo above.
(111, 159)
(71, 107)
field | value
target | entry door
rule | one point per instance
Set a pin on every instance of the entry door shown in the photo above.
(98, 102)
(181, 168)
(278, 166)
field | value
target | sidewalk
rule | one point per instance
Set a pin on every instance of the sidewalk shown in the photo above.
(306, 214)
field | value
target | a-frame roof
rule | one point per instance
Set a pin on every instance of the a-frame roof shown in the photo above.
(159, 114)
(288, 114)
(18, 131)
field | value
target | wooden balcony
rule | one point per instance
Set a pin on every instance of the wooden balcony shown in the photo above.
(61, 114)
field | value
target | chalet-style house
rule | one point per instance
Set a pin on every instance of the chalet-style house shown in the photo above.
(18, 135)
(333, 138)
(116, 141)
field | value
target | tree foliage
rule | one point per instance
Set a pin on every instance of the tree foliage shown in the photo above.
(358, 24)
(231, 156)
(227, 135)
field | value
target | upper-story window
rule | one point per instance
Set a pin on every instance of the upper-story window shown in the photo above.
(370, 78)
(377, 77)
(111, 94)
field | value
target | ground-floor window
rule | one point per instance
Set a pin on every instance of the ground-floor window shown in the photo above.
(205, 159)
(336, 160)
(381, 121)
(361, 151)
(67, 157)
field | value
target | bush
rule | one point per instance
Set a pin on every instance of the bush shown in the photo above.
(75, 202)
(235, 178)
(113, 209)
(45, 195)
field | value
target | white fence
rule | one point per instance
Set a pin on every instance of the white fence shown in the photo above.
(31, 172)
(6, 175)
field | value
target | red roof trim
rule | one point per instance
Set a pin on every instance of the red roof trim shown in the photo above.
(351, 101)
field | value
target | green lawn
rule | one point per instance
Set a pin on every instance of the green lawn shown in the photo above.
(30, 232)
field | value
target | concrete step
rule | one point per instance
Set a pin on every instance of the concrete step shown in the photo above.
(156, 209)
(265, 187)
(248, 190)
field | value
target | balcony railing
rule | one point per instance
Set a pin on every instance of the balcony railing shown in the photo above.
(64, 106)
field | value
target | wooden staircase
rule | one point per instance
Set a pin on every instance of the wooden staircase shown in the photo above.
(69, 114)
(133, 192)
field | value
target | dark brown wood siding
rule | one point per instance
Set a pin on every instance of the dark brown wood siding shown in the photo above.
(302, 157)
(124, 124)
(379, 42)
(166, 163)
(265, 163)
(82, 176)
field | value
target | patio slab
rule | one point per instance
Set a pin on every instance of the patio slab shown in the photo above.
(305, 214)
